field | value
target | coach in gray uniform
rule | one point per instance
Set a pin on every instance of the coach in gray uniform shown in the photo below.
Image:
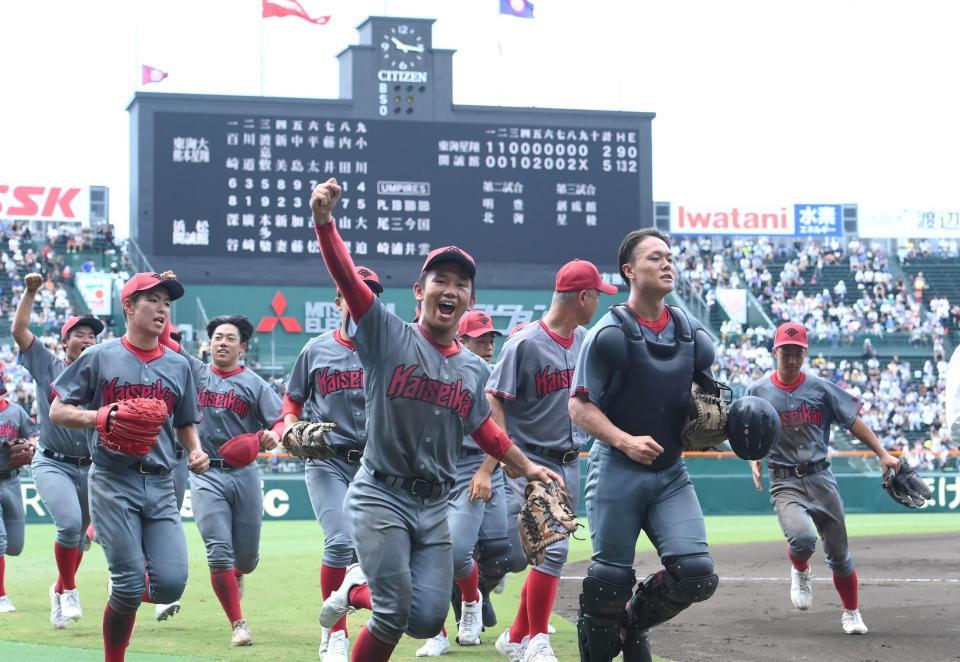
(326, 384)
(424, 393)
(15, 425)
(803, 490)
(631, 393)
(61, 465)
(227, 500)
(132, 500)
(528, 392)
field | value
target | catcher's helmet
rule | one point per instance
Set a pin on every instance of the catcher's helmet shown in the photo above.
(753, 426)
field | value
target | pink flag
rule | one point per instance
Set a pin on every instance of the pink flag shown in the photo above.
(151, 75)
(280, 8)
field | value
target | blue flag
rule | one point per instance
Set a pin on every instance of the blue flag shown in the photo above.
(518, 8)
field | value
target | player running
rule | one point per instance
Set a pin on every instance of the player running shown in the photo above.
(132, 499)
(18, 440)
(803, 490)
(424, 393)
(239, 409)
(326, 384)
(61, 465)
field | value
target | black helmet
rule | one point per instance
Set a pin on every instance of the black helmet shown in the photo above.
(753, 426)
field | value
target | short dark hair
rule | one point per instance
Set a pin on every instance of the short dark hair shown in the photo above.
(242, 323)
(631, 241)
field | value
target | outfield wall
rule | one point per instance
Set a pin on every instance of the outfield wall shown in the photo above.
(722, 483)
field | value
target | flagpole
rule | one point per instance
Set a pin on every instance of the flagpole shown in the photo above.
(261, 56)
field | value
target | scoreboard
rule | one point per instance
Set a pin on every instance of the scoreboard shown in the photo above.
(221, 184)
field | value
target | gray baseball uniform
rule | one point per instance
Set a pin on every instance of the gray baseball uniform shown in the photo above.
(228, 501)
(132, 501)
(327, 379)
(532, 378)
(14, 424)
(803, 490)
(62, 461)
(421, 401)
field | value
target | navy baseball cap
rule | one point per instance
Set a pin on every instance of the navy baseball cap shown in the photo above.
(451, 254)
(147, 281)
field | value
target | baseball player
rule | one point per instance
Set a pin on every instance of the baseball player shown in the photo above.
(61, 465)
(15, 426)
(424, 393)
(528, 392)
(803, 490)
(326, 384)
(648, 353)
(477, 516)
(132, 500)
(227, 500)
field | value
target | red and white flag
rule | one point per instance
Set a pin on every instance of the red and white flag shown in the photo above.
(281, 8)
(151, 75)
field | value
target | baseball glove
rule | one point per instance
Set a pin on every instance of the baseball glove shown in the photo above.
(547, 517)
(906, 487)
(308, 440)
(18, 454)
(707, 424)
(137, 425)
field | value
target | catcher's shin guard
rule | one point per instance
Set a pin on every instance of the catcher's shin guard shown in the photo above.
(493, 561)
(606, 590)
(683, 581)
(636, 645)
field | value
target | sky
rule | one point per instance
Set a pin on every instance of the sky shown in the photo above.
(756, 100)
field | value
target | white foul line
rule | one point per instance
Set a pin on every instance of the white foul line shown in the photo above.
(863, 580)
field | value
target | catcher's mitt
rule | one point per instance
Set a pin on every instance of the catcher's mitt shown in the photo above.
(707, 425)
(135, 428)
(547, 517)
(308, 440)
(906, 487)
(16, 454)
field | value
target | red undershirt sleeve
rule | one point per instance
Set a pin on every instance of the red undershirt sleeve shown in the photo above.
(355, 292)
(493, 440)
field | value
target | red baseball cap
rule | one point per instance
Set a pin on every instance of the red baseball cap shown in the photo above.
(580, 275)
(147, 281)
(451, 254)
(790, 333)
(371, 278)
(80, 320)
(475, 323)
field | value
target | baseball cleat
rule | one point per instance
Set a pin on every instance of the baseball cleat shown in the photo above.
(337, 647)
(5, 605)
(56, 616)
(852, 622)
(337, 605)
(471, 624)
(539, 650)
(435, 647)
(801, 593)
(511, 651)
(324, 640)
(241, 634)
(70, 604)
(164, 612)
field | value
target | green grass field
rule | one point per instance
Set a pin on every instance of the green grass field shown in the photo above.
(282, 597)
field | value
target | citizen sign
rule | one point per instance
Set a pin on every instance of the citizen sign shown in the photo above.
(45, 203)
(391, 76)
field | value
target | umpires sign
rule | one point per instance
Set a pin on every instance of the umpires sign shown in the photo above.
(523, 190)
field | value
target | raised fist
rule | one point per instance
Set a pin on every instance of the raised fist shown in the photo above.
(324, 198)
(33, 281)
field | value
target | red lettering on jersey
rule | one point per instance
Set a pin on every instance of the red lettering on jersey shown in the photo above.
(115, 392)
(549, 381)
(338, 380)
(452, 396)
(229, 401)
(806, 415)
(9, 432)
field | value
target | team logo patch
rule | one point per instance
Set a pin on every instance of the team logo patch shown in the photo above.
(791, 332)
(364, 273)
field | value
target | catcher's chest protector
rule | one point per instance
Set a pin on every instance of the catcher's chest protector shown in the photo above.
(654, 392)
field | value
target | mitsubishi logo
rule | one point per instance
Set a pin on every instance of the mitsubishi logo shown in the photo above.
(269, 323)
